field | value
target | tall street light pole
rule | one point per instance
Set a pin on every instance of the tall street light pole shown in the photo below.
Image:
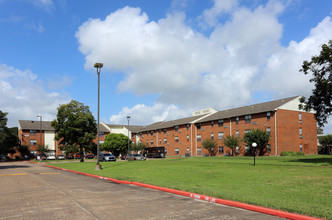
(41, 127)
(98, 66)
(128, 117)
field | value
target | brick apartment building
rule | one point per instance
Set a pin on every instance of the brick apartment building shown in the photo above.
(290, 130)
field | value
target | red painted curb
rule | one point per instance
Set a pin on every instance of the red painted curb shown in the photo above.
(254, 208)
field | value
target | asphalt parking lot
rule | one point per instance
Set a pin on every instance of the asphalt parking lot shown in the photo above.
(32, 191)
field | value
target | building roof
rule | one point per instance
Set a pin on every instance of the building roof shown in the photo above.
(35, 125)
(46, 125)
(132, 128)
(169, 124)
(248, 110)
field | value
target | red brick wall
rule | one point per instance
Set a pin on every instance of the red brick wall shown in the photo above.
(288, 125)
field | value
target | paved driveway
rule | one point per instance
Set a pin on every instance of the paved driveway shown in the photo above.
(31, 191)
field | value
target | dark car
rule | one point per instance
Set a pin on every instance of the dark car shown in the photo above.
(106, 157)
(89, 156)
(2, 157)
(69, 156)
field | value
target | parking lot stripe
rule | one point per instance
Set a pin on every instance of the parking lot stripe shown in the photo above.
(14, 174)
(48, 173)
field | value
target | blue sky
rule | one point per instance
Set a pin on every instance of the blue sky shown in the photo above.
(162, 59)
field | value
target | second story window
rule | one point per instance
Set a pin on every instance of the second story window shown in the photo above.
(237, 120)
(176, 139)
(247, 118)
(198, 137)
(33, 132)
(221, 123)
(177, 128)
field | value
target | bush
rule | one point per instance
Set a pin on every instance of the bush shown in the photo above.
(291, 153)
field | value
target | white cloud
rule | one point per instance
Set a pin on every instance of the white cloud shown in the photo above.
(243, 55)
(24, 96)
(142, 114)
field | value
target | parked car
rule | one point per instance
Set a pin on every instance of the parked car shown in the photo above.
(2, 157)
(60, 157)
(41, 156)
(106, 157)
(69, 156)
(51, 157)
(89, 156)
(135, 157)
(123, 157)
(78, 156)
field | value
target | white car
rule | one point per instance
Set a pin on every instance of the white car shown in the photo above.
(51, 157)
(61, 157)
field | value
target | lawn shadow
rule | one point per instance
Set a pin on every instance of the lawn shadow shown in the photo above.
(13, 167)
(313, 160)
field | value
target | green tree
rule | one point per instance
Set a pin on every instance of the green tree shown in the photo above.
(232, 142)
(326, 144)
(139, 147)
(211, 145)
(69, 149)
(8, 136)
(75, 125)
(321, 99)
(258, 136)
(115, 143)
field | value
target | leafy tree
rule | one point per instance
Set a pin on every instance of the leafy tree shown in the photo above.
(232, 142)
(211, 145)
(138, 147)
(321, 98)
(75, 125)
(8, 136)
(320, 130)
(69, 149)
(115, 143)
(258, 136)
(326, 143)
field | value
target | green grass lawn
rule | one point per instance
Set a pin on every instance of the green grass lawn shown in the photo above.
(301, 184)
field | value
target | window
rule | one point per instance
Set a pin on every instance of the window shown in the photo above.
(101, 142)
(101, 134)
(300, 116)
(151, 132)
(188, 126)
(33, 142)
(176, 128)
(176, 139)
(221, 150)
(151, 141)
(268, 148)
(211, 124)
(177, 151)
(188, 150)
(247, 149)
(268, 130)
(199, 150)
(33, 132)
(221, 123)
(237, 120)
(212, 136)
(165, 130)
(268, 115)
(187, 137)
(247, 118)
(247, 131)
(237, 134)
(300, 132)
(221, 135)
(300, 147)
(237, 149)
(198, 126)
(198, 137)
(165, 140)
(159, 140)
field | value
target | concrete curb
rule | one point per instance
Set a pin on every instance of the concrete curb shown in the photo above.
(241, 205)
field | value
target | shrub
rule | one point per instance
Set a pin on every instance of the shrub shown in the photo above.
(291, 153)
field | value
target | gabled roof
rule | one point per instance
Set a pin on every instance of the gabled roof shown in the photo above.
(169, 124)
(35, 125)
(46, 125)
(248, 110)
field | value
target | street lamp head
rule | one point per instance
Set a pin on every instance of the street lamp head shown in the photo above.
(128, 117)
(98, 65)
(254, 144)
